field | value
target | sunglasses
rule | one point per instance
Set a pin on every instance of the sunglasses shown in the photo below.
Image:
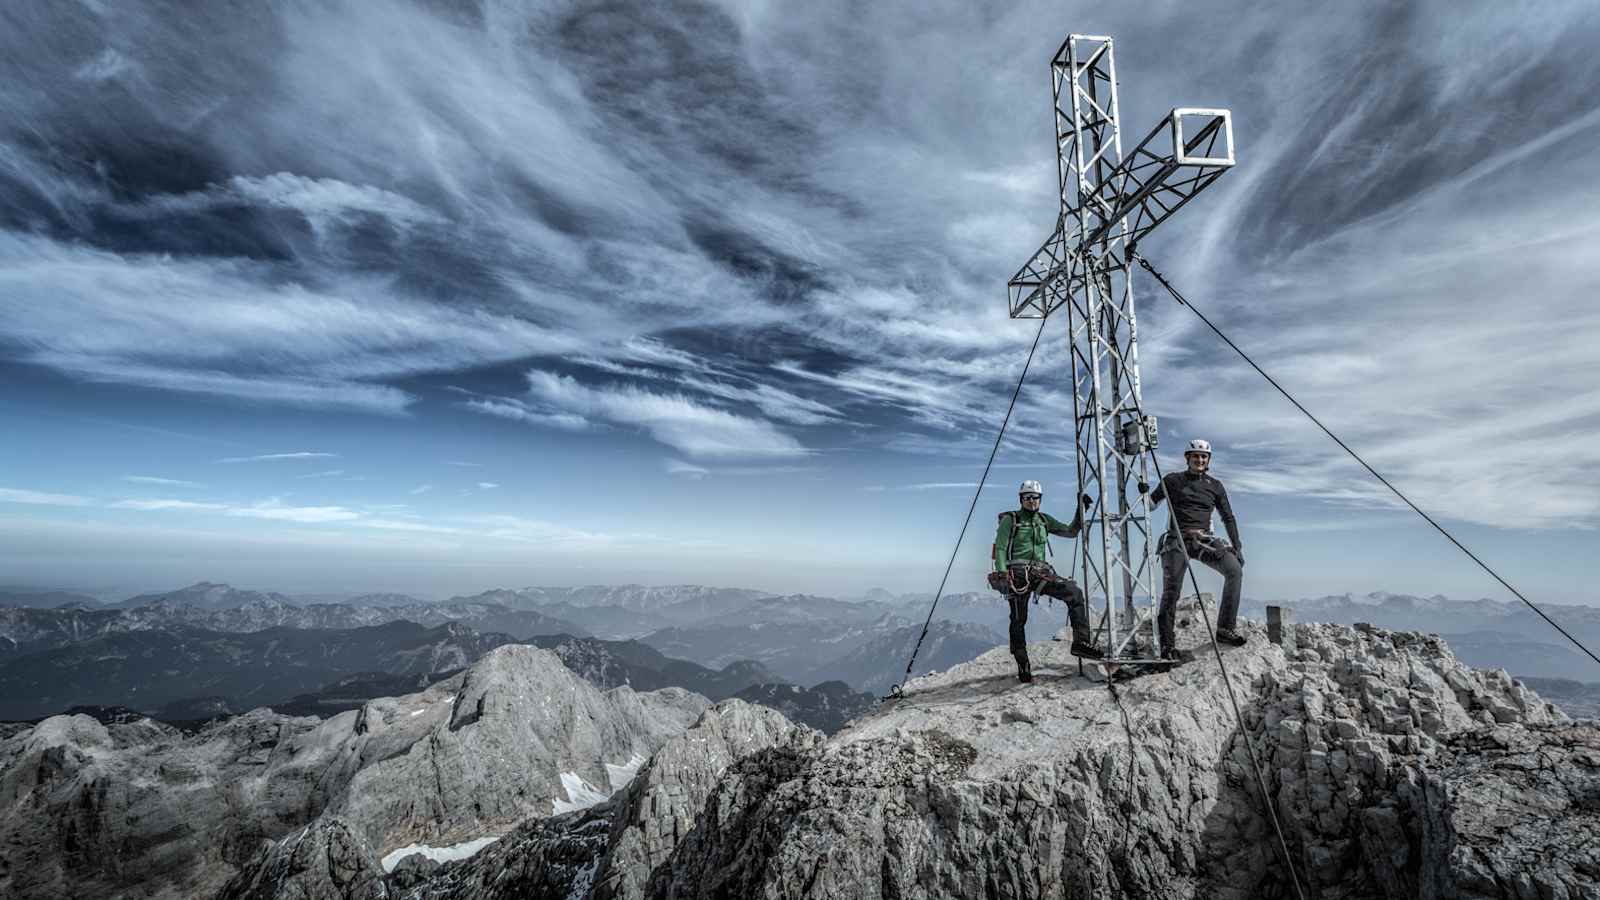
(1034, 497)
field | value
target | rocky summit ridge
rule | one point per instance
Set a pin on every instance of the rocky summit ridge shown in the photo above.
(142, 810)
(1395, 770)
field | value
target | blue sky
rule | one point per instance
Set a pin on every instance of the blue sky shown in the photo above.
(442, 296)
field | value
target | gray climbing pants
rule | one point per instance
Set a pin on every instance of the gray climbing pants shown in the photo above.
(1219, 557)
(1041, 578)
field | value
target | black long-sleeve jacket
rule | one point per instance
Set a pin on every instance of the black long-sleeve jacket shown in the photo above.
(1193, 498)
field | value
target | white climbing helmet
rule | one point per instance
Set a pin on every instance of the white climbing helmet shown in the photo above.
(1198, 446)
(1031, 487)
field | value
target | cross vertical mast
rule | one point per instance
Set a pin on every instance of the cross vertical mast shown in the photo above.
(1108, 203)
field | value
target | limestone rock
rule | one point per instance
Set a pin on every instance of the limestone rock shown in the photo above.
(611, 850)
(324, 861)
(972, 786)
(143, 810)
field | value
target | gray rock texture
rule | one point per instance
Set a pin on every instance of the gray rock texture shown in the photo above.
(1395, 772)
(1499, 811)
(608, 850)
(973, 786)
(141, 810)
(324, 861)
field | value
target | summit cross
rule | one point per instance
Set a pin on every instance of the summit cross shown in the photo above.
(1108, 204)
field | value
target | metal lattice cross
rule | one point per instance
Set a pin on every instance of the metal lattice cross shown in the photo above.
(1108, 203)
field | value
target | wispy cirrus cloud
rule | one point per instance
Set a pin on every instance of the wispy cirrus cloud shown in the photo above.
(275, 509)
(686, 470)
(518, 411)
(673, 419)
(165, 504)
(42, 498)
(810, 228)
(161, 482)
(274, 457)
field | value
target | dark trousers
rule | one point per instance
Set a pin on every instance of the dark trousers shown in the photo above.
(1040, 578)
(1221, 559)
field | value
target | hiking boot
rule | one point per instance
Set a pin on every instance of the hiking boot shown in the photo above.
(1171, 654)
(1086, 650)
(1024, 673)
(1229, 636)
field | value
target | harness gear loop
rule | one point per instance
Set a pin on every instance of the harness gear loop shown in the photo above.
(896, 692)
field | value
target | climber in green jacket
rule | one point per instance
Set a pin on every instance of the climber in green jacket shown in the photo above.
(1021, 569)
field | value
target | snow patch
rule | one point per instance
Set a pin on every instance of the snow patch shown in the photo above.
(619, 776)
(418, 712)
(440, 854)
(581, 795)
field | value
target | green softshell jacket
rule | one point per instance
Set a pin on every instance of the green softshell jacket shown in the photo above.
(1023, 536)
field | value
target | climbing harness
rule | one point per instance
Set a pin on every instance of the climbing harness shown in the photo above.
(897, 691)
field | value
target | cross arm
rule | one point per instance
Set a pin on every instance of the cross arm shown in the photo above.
(1028, 289)
(1156, 179)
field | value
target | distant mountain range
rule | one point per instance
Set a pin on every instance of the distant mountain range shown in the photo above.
(629, 611)
(148, 669)
(1576, 699)
(825, 707)
(1482, 633)
(211, 650)
(46, 599)
(221, 608)
(879, 663)
(734, 638)
(611, 664)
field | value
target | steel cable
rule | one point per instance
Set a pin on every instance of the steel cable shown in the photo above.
(1233, 700)
(896, 691)
(1184, 301)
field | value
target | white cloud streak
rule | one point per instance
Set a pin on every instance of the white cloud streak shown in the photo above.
(686, 470)
(163, 482)
(41, 498)
(273, 509)
(158, 505)
(276, 457)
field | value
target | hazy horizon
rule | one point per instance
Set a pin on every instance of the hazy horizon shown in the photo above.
(115, 593)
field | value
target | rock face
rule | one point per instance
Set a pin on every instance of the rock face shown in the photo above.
(1395, 772)
(139, 809)
(1371, 744)
(1498, 812)
(608, 850)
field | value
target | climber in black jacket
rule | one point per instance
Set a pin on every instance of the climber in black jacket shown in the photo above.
(1194, 494)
